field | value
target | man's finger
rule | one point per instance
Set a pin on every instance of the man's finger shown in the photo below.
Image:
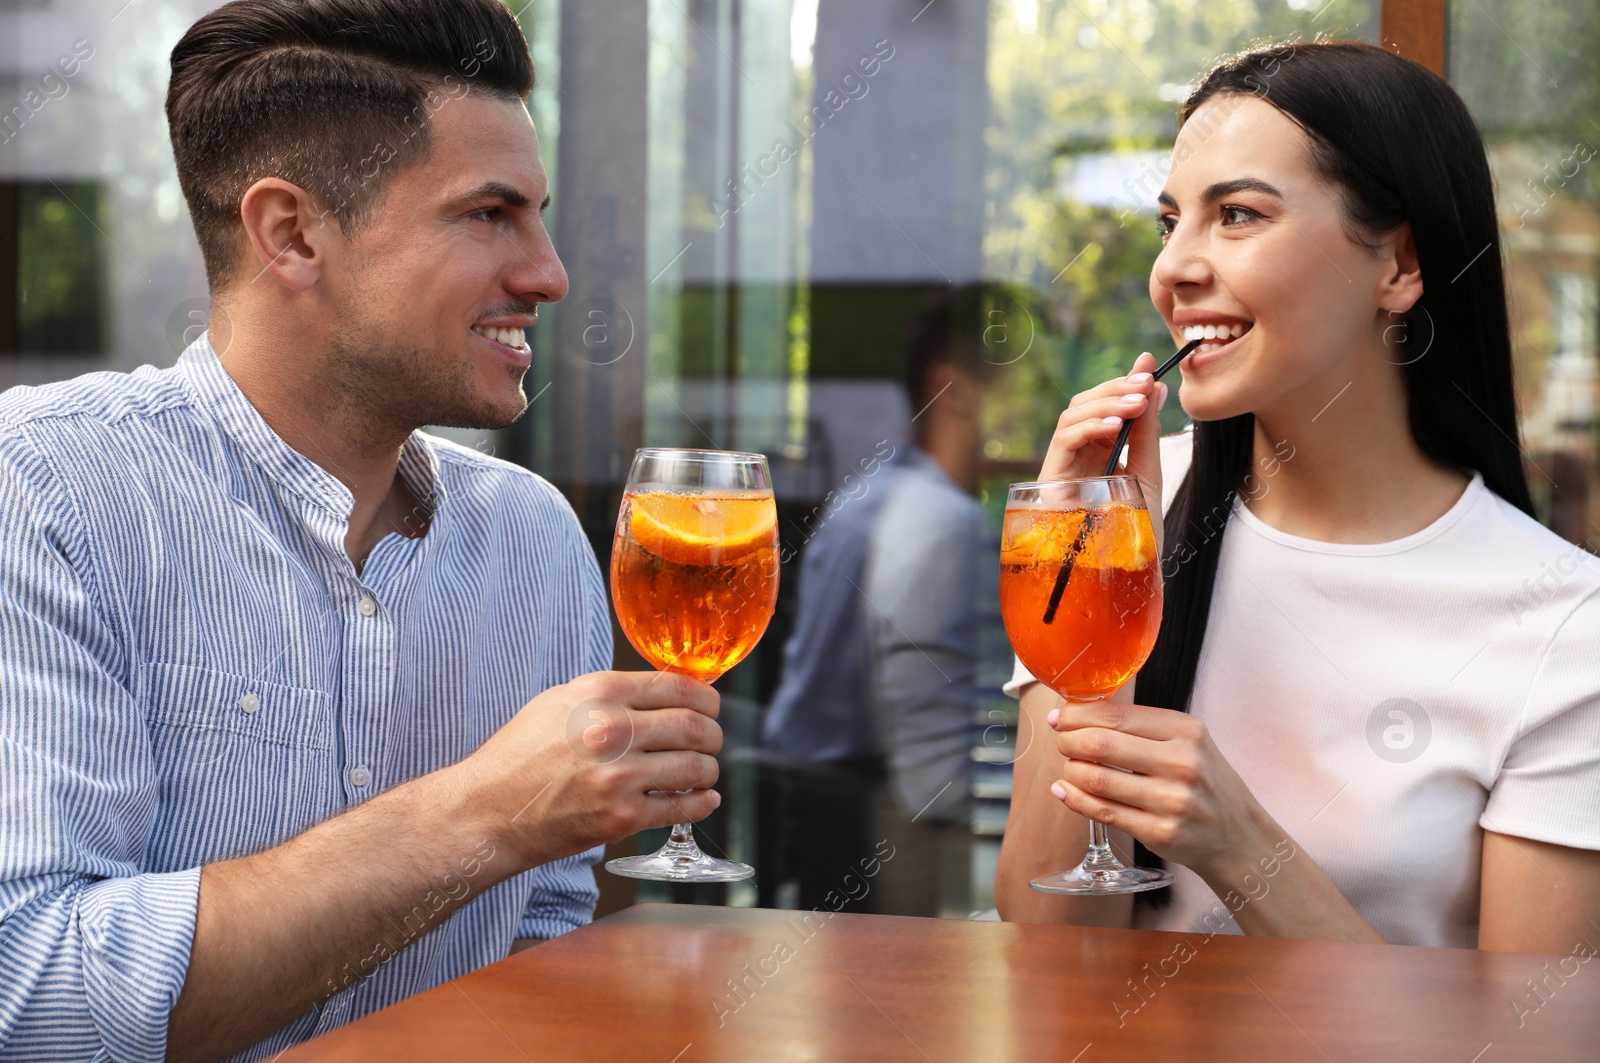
(657, 690)
(675, 728)
(665, 810)
(678, 770)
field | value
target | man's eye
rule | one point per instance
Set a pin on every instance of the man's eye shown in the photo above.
(486, 214)
(1238, 216)
(1165, 224)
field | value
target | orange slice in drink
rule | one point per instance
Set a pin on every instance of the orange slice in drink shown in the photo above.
(701, 529)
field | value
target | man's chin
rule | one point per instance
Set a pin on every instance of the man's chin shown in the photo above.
(486, 415)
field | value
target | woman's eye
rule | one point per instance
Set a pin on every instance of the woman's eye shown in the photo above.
(1165, 224)
(1232, 216)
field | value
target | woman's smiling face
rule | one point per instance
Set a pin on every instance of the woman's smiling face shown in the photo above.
(1258, 256)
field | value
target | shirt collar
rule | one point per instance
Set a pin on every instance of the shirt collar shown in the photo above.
(213, 390)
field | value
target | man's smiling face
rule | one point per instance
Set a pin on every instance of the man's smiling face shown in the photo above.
(431, 295)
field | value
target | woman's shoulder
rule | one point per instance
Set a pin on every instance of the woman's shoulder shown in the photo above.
(1177, 451)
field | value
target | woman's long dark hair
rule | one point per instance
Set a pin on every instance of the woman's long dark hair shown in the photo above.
(1401, 147)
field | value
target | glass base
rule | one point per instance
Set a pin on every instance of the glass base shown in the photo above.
(1085, 880)
(679, 862)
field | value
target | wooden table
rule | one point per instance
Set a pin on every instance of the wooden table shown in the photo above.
(662, 984)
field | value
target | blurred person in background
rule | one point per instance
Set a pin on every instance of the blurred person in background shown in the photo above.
(869, 734)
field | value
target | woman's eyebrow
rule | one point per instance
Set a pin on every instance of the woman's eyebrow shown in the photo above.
(1240, 184)
(1223, 189)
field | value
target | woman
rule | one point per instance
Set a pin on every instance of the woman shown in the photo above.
(1373, 712)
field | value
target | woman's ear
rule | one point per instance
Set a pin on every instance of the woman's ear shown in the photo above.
(1401, 285)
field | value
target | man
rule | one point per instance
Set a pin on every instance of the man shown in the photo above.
(873, 716)
(265, 766)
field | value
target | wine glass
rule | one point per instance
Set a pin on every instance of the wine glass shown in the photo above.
(694, 578)
(1080, 594)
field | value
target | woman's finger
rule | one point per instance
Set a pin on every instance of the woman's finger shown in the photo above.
(1131, 404)
(1135, 821)
(1145, 721)
(1148, 793)
(1100, 745)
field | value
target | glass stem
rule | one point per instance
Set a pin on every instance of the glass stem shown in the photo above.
(1099, 857)
(682, 834)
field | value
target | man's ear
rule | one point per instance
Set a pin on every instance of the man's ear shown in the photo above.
(286, 233)
(1401, 286)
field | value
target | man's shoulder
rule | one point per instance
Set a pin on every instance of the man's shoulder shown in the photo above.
(927, 498)
(487, 479)
(104, 398)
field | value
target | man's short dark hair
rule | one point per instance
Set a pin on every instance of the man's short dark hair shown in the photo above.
(332, 95)
(951, 328)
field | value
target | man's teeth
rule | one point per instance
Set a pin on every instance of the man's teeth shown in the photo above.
(511, 337)
(1225, 333)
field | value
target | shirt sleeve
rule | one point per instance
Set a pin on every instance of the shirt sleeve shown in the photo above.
(563, 892)
(94, 948)
(1549, 784)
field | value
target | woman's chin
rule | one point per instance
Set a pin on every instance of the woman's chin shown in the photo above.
(1210, 404)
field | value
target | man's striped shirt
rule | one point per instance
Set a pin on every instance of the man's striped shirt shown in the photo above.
(194, 670)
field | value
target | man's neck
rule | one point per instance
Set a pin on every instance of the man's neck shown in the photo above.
(952, 448)
(319, 422)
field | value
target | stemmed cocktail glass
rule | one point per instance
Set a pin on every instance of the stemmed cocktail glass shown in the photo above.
(694, 578)
(1080, 594)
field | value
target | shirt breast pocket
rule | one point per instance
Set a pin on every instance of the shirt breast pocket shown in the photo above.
(241, 764)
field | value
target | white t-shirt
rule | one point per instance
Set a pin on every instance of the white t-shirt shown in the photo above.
(1387, 703)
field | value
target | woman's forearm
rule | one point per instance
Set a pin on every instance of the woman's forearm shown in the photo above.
(1043, 836)
(1274, 889)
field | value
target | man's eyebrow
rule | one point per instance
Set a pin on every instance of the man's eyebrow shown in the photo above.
(546, 204)
(496, 190)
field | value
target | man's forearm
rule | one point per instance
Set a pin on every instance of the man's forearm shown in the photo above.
(278, 932)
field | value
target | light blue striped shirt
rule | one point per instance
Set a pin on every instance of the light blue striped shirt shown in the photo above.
(193, 670)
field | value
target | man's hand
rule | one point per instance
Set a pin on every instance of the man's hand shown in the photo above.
(596, 760)
(275, 932)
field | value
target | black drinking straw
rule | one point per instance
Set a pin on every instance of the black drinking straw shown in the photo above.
(1127, 426)
(1091, 520)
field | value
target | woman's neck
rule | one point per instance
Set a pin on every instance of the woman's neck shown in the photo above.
(1349, 472)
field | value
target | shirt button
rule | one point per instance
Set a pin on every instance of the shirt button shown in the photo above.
(360, 777)
(366, 607)
(249, 704)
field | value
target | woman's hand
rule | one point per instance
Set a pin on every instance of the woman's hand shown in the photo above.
(1088, 428)
(1179, 795)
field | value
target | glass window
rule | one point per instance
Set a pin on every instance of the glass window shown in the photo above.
(1530, 74)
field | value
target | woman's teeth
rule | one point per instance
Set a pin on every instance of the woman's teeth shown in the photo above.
(1225, 333)
(511, 337)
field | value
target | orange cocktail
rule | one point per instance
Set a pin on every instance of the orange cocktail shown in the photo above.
(1080, 594)
(1108, 611)
(694, 576)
